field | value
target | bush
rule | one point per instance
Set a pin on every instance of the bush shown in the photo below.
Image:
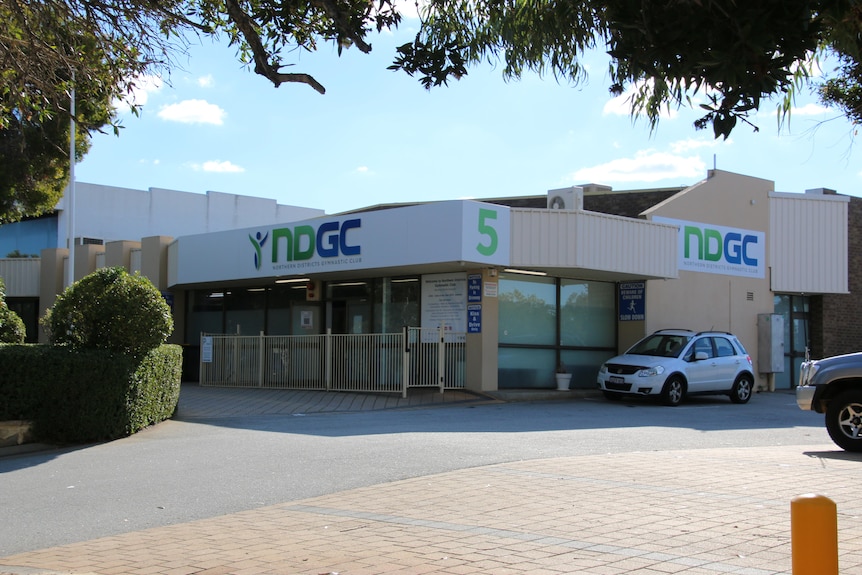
(12, 328)
(87, 395)
(110, 309)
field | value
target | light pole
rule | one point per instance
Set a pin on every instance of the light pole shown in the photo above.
(70, 198)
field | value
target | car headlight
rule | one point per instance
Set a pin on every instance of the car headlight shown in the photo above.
(807, 372)
(651, 371)
(603, 368)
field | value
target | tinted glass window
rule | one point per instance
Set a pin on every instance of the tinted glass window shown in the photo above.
(723, 347)
(703, 345)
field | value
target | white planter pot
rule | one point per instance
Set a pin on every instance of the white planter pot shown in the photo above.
(563, 381)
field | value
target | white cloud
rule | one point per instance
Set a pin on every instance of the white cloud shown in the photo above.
(645, 166)
(809, 110)
(682, 146)
(140, 93)
(206, 81)
(408, 8)
(218, 166)
(363, 171)
(193, 112)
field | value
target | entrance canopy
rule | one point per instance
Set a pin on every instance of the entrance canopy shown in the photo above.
(467, 232)
(429, 238)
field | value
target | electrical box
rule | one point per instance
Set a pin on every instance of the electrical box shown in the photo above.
(770, 343)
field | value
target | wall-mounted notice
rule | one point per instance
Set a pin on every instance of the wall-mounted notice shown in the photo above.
(444, 301)
(632, 302)
(474, 318)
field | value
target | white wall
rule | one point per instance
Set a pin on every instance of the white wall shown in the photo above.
(110, 213)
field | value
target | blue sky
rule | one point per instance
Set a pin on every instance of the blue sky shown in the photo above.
(378, 136)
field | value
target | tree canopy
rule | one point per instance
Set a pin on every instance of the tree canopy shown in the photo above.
(730, 54)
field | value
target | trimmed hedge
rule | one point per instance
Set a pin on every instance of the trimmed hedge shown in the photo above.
(87, 395)
(110, 309)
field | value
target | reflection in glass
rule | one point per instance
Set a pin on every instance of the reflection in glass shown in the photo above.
(528, 310)
(587, 314)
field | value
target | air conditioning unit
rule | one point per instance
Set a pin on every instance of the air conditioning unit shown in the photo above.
(566, 199)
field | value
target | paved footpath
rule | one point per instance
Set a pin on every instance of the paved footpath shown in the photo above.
(697, 512)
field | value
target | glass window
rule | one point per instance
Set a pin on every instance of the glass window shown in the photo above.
(244, 310)
(205, 314)
(359, 290)
(704, 345)
(281, 300)
(587, 314)
(524, 368)
(723, 347)
(584, 366)
(528, 311)
(397, 302)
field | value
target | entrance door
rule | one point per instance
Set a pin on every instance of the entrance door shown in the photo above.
(351, 317)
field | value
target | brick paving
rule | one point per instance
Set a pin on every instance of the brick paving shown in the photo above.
(695, 512)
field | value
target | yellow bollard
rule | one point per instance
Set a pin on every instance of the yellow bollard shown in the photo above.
(814, 535)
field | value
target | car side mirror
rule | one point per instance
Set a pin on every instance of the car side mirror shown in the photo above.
(700, 356)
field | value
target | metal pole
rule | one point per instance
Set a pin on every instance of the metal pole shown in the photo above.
(441, 357)
(70, 199)
(405, 361)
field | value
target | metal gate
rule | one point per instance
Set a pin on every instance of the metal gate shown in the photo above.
(383, 362)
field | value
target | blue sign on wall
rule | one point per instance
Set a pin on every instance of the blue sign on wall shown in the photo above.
(474, 287)
(474, 318)
(633, 301)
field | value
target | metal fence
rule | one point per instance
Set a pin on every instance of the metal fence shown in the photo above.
(383, 362)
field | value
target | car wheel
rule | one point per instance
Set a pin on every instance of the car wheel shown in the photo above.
(612, 395)
(673, 391)
(844, 420)
(742, 389)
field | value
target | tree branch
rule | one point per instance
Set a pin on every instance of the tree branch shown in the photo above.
(262, 65)
(342, 23)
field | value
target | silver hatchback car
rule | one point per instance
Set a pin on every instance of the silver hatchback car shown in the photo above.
(673, 363)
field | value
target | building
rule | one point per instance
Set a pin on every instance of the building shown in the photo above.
(572, 277)
(106, 214)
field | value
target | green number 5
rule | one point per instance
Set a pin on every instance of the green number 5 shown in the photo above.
(487, 230)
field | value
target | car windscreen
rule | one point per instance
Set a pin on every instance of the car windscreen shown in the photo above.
(660, 345)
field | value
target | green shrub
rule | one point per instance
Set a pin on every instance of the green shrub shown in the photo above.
(110, 309)
(12, 328)
(87, 395)
(22, 379)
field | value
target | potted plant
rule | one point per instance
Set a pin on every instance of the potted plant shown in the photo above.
(564, 378)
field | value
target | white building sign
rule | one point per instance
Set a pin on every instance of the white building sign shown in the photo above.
(719, 249)
(454, 231)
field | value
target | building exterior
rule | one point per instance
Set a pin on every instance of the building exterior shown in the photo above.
(106, 214)
(530, 286)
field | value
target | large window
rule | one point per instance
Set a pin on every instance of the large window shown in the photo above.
(244, 310)
(544, 322)
(379, 305)
(206, 314)
(285, 306)
(396, 302)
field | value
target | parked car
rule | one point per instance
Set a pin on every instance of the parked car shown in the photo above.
(833, 386)
(673, 363)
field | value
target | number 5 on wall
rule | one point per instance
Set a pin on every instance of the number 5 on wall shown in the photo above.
(486, 229)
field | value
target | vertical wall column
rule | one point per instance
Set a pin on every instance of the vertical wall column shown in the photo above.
(51, 280)
(154, 266)
(482, 346)
(119, 254)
